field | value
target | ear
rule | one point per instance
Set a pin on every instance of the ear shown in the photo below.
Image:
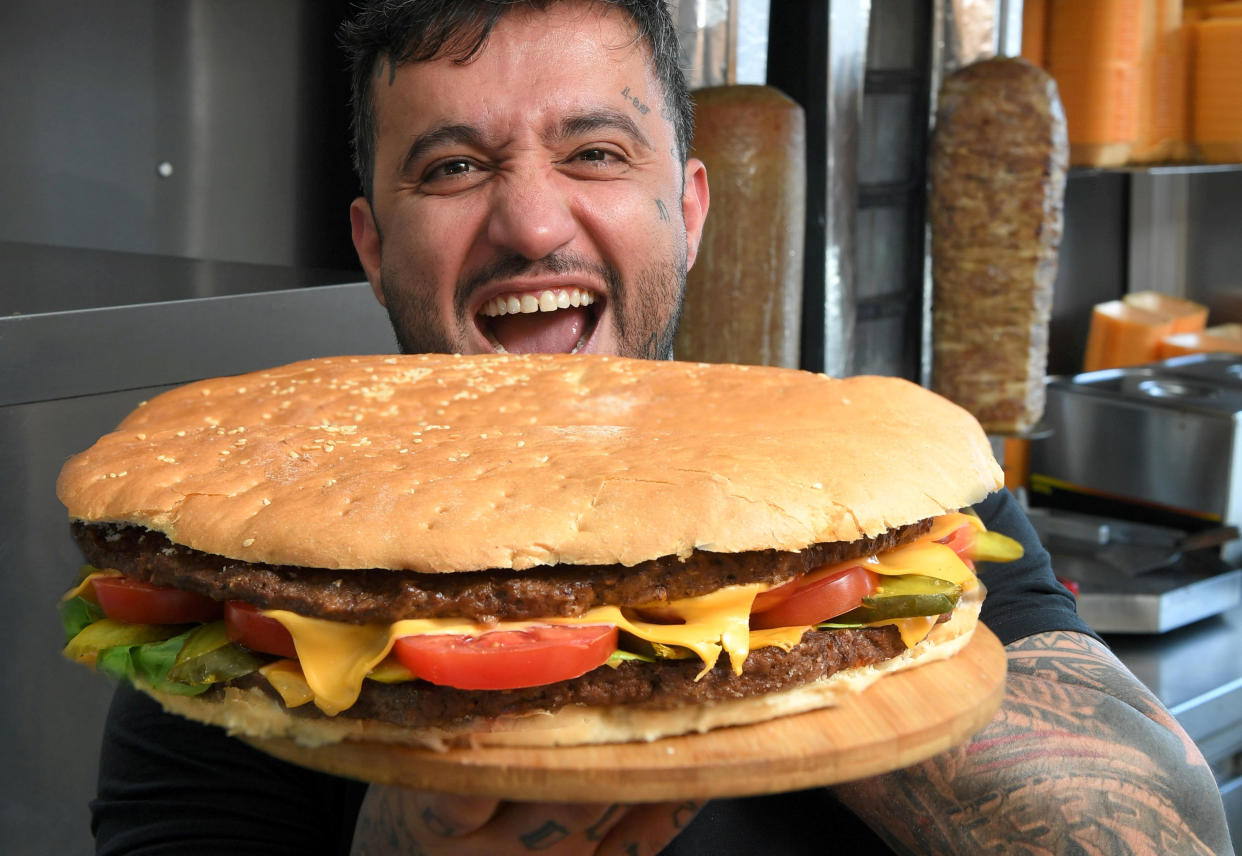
(367, 243)
(694, 201)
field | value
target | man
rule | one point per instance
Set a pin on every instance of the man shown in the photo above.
(557, 171)
(528, 188)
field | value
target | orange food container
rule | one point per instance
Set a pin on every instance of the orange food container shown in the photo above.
(1095, 51)
(1035, 32)
(1123, 335)
(1164, 110)
(1216, 112)
(1187, 315)
(1129, 332)
(1223, 338)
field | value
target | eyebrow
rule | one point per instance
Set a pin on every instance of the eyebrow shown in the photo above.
(443, 135)
(577, 124)
(573, 125)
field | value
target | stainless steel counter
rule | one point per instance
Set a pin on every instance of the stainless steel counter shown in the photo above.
(37, 279)
(80, 322)
(1197, 672)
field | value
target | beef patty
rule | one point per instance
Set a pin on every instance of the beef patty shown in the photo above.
(380, 595)
(661, 685)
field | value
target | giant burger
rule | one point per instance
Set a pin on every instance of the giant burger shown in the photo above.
(527, 550)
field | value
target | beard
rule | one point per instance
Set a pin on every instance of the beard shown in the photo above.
(644, 313)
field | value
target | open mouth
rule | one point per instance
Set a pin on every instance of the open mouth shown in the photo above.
(545, 321)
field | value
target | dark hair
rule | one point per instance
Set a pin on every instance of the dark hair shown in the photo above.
(419, 30)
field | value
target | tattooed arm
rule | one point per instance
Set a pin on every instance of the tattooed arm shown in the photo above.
(401, 822)
(1080, 758)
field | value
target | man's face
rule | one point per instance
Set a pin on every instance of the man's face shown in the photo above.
(531, 200)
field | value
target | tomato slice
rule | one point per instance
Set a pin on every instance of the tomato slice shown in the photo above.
(507, 659)
(818, 599)
(765, 600)
(960, 541)
(136, 602)
(246, 625)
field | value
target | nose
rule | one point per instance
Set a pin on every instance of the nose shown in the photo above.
(530, 214)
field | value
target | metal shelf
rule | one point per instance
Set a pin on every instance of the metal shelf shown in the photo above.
(1159, 169)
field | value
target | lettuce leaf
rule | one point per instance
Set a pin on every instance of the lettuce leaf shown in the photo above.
(76, 614)
(150, 663)
(172, 659)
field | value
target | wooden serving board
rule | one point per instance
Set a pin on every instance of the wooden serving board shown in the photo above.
(900, 720)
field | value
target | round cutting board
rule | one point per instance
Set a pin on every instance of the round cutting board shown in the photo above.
(898, 721)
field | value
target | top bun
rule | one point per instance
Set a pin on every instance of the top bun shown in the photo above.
(440, 463)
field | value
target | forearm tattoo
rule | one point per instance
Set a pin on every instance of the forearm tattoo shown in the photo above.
(1081, 758)
(399, 823)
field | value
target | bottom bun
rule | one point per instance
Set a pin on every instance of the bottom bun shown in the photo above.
(256, 714)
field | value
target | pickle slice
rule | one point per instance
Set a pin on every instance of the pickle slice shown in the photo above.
(905, 596)
(209, 656)
(995, 547)
(390, 671)
(653, 650)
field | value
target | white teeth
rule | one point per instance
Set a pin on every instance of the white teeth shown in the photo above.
(500, 349)
(548, 300)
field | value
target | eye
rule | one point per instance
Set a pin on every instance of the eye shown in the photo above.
(452, 174)
(597, 161)
(598, 155)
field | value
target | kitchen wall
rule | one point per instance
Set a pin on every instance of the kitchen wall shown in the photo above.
(1214, 246)
(203, 128)
(214, 129)
(1187, 245)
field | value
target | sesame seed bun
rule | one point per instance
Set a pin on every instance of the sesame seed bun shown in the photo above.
(443, 464)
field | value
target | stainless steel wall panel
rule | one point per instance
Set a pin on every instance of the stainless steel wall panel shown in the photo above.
(1092, 266)
(53, 714)
(1214, 253)
(201, 128)
(67, 377)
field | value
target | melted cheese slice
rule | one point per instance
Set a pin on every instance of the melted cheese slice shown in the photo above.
(288, 679)
(86, 588)
(912, 630)
(335, 657)
(923, 557)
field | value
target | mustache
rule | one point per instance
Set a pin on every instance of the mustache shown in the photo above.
(515, 266)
